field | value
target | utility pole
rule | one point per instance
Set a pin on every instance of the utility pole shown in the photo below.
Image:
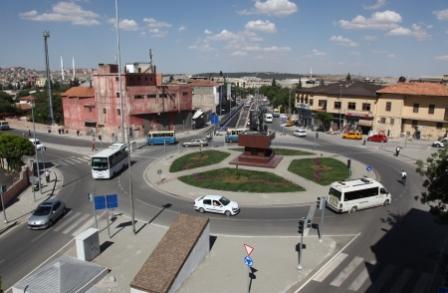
(46, 35)
(35, 147)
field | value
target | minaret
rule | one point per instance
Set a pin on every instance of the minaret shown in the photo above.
(73, 69)
(150, 61)
(62, 69)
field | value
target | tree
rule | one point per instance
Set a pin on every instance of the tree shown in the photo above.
(13, 148)
(435, 172)
(402, 79)
(41, 109)
(299, 85)
(325, 118)
(7, 106)
(274, 83)
(348, 78)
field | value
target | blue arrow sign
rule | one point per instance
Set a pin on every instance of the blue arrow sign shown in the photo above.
(369, 168)
(100, 202)
(248, 261)
(112, 201)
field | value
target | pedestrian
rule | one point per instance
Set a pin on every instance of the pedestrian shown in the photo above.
(47, 176)
(59, 130)
(77, 132)
(317, 134)
(397, 151)
(29, 133)
(404, 175)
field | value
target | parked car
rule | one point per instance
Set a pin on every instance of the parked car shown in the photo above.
(39, 146)
(216, 204)
(377, 138)
(299, 132)
(195, 143)
(352, 135)
(440, 143)
(4, 125)
(46, 214)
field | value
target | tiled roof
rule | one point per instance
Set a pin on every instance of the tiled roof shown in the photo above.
(202, 83)
(79, 91)
(416, 89)
(353, 88)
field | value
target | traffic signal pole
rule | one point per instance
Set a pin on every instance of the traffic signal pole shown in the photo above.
(302, 222)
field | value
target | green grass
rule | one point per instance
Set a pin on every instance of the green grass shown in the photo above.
(198, 159)
(320, 170)
(246, 180)
(281, 152)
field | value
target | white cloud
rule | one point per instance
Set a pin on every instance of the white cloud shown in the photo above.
(417, 31)
(64, 12)
(239, 53)
(370, 38)
(376, 5)
(271, 7)
(441, 14)
(340, 40)
(207, 32)
(379, 20)
(316, 53)
(261, 25)
(128, 25)
(442, 58)
(157, 28)
(391, 56)
(182, 28)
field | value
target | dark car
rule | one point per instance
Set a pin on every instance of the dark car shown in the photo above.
(46, 214)
(377, 138)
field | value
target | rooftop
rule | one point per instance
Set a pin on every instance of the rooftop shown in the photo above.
(81, 92)
(345, 88)
(416, 89)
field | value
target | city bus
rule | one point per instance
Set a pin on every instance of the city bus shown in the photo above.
(232, 134)
(161, 137)
(109, 162)
(357, 194)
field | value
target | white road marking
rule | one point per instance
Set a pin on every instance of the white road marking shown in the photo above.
(382, 278)
(42, 234)
(86, 225)
(360, 280)
(330, 267)
(422, 283)
(347, 271)
(401, 282)
(75, 224)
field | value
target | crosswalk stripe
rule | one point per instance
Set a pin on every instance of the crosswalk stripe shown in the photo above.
(86, 225)
(75, 224)
(66, 220)
(62, 163)
(330, 268)
(347, 271)
(359, 281)
(401, 282)
(79, 160)
(71, 161)
(382, 279)
(87, 158)
(422, 283)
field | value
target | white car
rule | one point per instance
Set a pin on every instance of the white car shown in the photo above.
(39, 146)
(440, 143)
(195, 143)
(299, 132)
(216, 204)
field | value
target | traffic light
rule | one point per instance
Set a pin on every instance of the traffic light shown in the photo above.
(301, 226)
(318, 202)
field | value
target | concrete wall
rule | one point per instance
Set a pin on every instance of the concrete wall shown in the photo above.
(204, 98)
(17, 187)
(197, 255)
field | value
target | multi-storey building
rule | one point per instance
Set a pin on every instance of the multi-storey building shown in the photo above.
(147, 103)
(417, 109)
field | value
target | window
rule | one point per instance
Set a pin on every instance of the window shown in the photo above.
(152, 96)
(439, 125)
(415, 108)
(352, 195)
(414, 123)
(138, 97)
(104, 110)
(311, 103)
(365, 106)
(446, 114)
(306, 99)
(388, 106)
(207, 202)
(118, 112)
(118, 94)
(392, 121)
(352, 106)
(162, 96)
(322, 103)
(90, 109)
(335, 193)
(116, 78)
(382, 120)
(337, 105)
(184, 93)
(431, 109)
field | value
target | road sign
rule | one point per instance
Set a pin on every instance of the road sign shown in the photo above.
(112, 201)
(442, 290)
(214, 119)
(248, 261)
(100, 202)
(248, 248)
(369, 168)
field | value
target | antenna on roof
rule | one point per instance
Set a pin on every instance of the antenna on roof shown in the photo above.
(73, 68)
(62, 69)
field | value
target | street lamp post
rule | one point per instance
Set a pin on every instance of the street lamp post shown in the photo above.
(340, 106)
(35, 148)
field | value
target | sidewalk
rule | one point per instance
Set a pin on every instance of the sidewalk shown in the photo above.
(19, 211)
(157, 176)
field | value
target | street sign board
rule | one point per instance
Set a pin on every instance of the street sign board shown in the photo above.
(248, 248)
(322, 203)
(214, 119)
(248, 261)
(442, 290)
(100, 202)
(112, 201)
(369, 168)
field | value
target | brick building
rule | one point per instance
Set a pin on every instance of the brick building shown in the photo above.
(147, 103)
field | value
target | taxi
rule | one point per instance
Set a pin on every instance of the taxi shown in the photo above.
(352, 135)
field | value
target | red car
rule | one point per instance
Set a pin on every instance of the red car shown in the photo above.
(377, 138)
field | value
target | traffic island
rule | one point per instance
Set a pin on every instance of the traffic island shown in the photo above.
(323, 171)
(197, 160)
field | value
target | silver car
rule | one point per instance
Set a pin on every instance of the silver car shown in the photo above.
(195, 143)
(46, 214)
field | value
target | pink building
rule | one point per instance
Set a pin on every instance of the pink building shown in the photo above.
(148, 105)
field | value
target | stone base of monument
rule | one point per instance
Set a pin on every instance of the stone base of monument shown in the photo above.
(257, 151)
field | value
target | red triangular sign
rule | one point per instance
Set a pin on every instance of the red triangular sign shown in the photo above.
(248, 248)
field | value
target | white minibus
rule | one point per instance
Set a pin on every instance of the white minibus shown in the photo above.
(109, 162)
(357, 194)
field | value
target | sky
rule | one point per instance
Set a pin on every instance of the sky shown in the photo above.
(367, 37)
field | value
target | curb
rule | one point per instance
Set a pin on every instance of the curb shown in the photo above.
(9, 226)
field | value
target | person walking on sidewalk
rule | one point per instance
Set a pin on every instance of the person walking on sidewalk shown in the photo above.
(404, 175)
(47, 176)
(397, 151)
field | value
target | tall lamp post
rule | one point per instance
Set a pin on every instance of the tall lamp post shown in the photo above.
(46, 35)
(35, 148)
(340, 106)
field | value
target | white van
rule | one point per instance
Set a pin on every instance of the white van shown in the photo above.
(4, 125)
(357, 194)
(268, 118)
